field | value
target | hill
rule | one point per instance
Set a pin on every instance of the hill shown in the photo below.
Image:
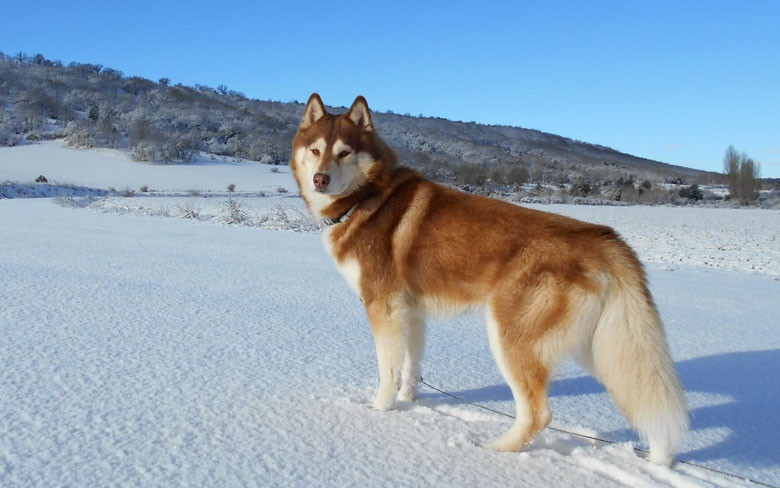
(95, 106)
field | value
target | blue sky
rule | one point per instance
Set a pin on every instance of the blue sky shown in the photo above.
(672, 81)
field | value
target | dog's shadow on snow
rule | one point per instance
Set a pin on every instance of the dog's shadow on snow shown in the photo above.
(744, 413)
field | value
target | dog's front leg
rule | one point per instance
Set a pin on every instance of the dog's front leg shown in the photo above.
(389, 340)
(415, 341)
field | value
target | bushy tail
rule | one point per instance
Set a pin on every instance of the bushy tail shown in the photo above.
(631, 357)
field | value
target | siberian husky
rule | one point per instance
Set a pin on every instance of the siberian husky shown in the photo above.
(550, 286)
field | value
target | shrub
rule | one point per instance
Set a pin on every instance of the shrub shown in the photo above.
(189, 211)
(581, 188)
(144, 189)
(143, 151)
(231, 188)
(78, 136)
(41, 179)
(234, 212)
(692, 192)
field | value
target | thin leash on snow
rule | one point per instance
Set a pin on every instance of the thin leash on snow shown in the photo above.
(593, 438)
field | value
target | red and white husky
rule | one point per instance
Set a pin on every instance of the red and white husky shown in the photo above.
(550, 286)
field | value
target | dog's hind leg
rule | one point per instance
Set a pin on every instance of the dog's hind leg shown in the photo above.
(415, 342)
(527, 376)
(389, 338)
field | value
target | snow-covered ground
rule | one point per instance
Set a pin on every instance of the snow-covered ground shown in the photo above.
(105, 168)
(142, 348)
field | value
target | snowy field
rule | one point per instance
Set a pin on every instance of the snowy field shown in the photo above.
(145, 342)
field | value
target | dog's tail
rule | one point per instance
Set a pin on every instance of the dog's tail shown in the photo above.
(631, 357)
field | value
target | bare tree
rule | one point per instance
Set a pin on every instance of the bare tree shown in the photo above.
(731, 168)
(743, 175)
(749, 180)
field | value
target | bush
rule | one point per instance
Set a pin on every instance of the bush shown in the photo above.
(581, 188)
(692, 192)
(144, 151)
(144, 189)
(231, 188)
(78, 136)
(41, 179)
(234, 212)
(189, 211)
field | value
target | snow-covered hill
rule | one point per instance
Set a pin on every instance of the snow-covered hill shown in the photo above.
(141, 348)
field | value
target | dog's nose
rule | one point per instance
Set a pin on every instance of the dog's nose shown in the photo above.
(321, 181)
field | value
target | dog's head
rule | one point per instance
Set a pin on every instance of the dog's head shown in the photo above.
(335, 155)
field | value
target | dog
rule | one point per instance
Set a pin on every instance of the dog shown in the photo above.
(550, 286)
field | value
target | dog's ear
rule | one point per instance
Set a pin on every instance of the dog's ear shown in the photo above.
(360, 115)
(313, 112)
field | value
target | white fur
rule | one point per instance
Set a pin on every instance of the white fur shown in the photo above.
(350, 270)
(523, 419)
(318, 201)
(631, 357)
(415, 343)
(391, 345)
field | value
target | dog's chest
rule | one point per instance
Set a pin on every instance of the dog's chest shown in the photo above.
(349, 268)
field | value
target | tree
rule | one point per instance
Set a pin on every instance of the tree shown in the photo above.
(692, 192)
(731, 162)
(581, 188)
(112, 73)
(517, 175)
(94, 113)
(749, 180)
(165, 81)
(743, 175)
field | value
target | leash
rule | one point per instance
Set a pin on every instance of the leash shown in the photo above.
(593, 438)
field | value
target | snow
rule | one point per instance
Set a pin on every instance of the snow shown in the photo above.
(104, 168)
(140, 348)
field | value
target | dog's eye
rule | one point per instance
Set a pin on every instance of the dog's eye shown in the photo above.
(343, 154)
(316, 152)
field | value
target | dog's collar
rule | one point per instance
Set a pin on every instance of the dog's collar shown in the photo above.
(342, 218)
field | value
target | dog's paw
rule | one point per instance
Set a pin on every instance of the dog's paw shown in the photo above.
(408, 393)
(384, 399)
